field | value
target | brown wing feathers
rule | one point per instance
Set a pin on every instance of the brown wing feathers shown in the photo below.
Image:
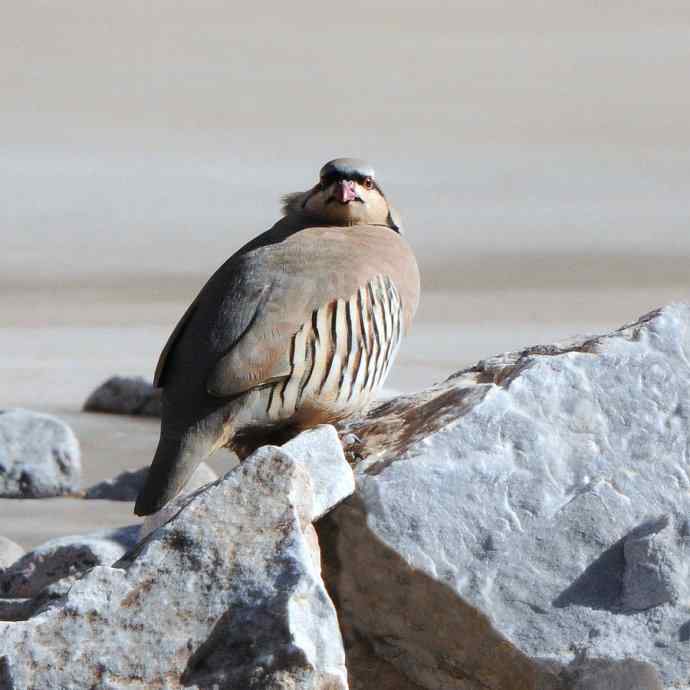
(262, 354)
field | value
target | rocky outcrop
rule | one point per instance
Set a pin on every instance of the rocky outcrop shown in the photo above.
(525, 524)
(314, 448)
(65, 557)
(131, 395)
(127, 485)
(39, 456)
(227, 594)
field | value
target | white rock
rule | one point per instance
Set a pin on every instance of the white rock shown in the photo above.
(320, 451)
(527, 520)
(224, 595)
(39, 456)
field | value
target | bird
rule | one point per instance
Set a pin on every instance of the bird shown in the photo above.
(298, 328)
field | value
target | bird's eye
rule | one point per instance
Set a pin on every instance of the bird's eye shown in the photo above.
(368, 183)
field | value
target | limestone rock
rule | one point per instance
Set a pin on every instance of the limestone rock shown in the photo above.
(227, 594)
(131, 395)
(126, 486)
(524, 524)
(319, 449)
(9, 552)
(65, 557)
(39, 456)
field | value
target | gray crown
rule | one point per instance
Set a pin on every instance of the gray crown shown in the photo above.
(347, 168)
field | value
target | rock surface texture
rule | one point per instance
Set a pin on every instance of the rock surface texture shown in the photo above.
(125, 395)
(39, 456)
(525, 525)
(227, 594)
(315, 449)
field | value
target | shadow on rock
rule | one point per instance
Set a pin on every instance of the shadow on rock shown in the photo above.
(240, 651)
(633, 575)
(450, 643)
(601, 584)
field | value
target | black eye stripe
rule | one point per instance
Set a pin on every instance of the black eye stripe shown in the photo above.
(328, 180)
(333, 177)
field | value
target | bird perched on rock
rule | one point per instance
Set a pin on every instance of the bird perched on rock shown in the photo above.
(299, 327)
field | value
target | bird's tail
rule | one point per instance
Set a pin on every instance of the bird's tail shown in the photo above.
(175, 460)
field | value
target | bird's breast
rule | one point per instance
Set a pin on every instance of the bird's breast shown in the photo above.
(340, 357)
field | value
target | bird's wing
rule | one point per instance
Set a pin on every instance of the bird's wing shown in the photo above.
(236, 335)
(158, 378)
(215, 321)
(261, 354)
(212, 300)
(307, 273)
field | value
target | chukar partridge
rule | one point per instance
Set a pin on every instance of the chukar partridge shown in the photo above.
(299, 327)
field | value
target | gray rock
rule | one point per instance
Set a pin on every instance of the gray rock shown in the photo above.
(65, 557)
(654, 560)
(16, 610)
(524, 524)
(39, 456)
(131, 395)
(227, 594)
(9, 552)
(126, 486)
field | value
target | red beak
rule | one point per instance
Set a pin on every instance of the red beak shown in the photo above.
(345, 191)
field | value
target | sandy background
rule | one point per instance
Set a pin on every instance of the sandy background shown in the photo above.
(539, 154)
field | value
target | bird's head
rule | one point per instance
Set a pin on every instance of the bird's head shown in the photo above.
(347, 193)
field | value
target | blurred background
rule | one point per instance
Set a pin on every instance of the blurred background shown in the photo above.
(538, 152)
